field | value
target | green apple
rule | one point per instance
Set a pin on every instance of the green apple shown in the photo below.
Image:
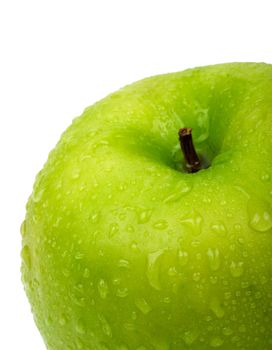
(125, 247)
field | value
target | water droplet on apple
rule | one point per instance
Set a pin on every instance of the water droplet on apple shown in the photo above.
(180, 190)
(190, 337)
(160, 225)
(113, 230)
(23, 228)
(26, 257)
(144, 216)
(259, 212)
(217, 308)
(219, 228)
(86, 273)
(37, 194)
(80, 327)
(95, 217)
(265, 177)
(153, 269)
(236, 269)
(142, 305)
(183, 258)
(214, 258)
(105, 326)
(124, 263)
(122, 292)
(216, 342)
(193, 221)
(227, 331)
(196, 276)
(103, 288)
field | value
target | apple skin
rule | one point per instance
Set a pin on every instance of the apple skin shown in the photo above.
(124, 250)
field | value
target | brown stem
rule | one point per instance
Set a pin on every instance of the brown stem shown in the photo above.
(186, 143)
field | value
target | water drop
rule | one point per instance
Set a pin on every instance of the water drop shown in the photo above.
(142, 305)
(193, 221)
(103, 288)
(214, 258)
(265, 177)
(160, 225)
(227, 331)
(105, 326)
(144, 216)
(37, 195)
(183, 258)
(180, 190)
(259, 214)
(236, 269)
(86, 273)
(219, 228)
(80, 328)
(217, 308)
(79, 255)
(23, 228)
(113, 230)
(216, 342)
(190, 337)
(196, 276)
(122, 292)
(123, 263)
(95, 217)
(153, 269)
(26, 257)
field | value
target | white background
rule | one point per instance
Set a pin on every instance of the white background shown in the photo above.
(57, 57)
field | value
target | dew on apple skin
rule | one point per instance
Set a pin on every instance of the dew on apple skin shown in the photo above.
(190, 337)
(259, 214)
(26, 257)
(227, 331)
(144, 216)
(214, 258)
(217, 308)
(160, 225)
(196, 276)
(80, 327)
(193, 221)
(181, 190)
(265, 177)
(37, 195)
(103, 288)
(23, 228)
(219, 228)
(86, 273)
(216, 342)
(123, 263)
(236, 269)
(122, 292)
(113, 230)
(105, 326)
(183, 258)
(153, 269)
(143, 305)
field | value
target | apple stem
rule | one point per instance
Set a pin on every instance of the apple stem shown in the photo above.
(186, 143)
